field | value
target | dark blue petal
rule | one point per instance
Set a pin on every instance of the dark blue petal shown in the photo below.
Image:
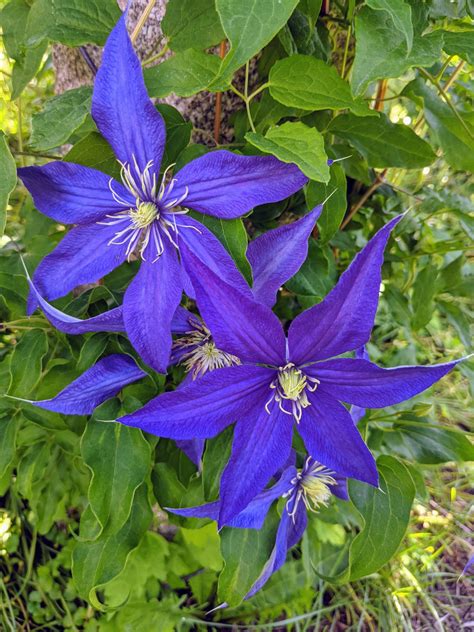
(149, 306)
(227, 185)
(288, 534)
(121, 107)
(239, 325)
(183, 320)
(73, 194)
(83, 256)
(332, 439)
(365, 384)
(193, 449)
(275, 256)
(204, 407)
(262, 445)
(208, 249)
(102, 381)
(344, 319)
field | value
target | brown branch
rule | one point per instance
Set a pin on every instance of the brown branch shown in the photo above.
(373, 187)
(218, 112)
(380, 96)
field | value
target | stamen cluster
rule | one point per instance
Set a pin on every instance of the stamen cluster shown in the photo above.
(290, 386)
(312, 486)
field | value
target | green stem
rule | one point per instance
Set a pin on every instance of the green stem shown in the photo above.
(157, 55)
(258, 90)
(142, 19)
(19, 133)
(247, 100)
(439, 76)
(445, 96)
(346, 51)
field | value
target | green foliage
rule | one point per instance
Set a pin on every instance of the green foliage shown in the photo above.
(382, 87)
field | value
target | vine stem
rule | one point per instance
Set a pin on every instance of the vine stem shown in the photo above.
(156, 56)
(346, 51)
(142, 19)
(373, 187)
(247, 100)
(218, 111)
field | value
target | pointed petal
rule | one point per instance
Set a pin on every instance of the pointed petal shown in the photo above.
(121, 107)
(239, 325)
(331, 438)
(208, 249)
(253, 516)
(288, 534)
(262, 445)
(111, 320)
(340, 489)
(344, 319)
(228, 185)
(82, 256)
(182, 320)
(363, 383)
(275, 256)
(193, 449)
(204, 407)
(73, 194)
(102, 381)
(149, 306)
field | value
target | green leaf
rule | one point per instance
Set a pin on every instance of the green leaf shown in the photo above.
(245, 552)
(215, 458)
(192, 24)
(449, 132)
(8, 179)
(430, 445)
(308, 83)
(95, 562)
(386, 514)
(311, 8)
(186, 73)
(400, 14)
(374, 31)
(26, 363)
(25, 69)
(335, 207)
(316, 276)
(119, 460)
(424, 290)
(94, 151)
(91, 351)
(8, 432)
(60, 118)
(232, 234)
(459, 43)
(249, 26)
(73, 22)
(383, 143)
(178, 133)
(295, 143)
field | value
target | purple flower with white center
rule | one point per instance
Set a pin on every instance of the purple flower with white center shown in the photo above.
(274, 256)
(287, 381)
(143, 216)
(304, 490)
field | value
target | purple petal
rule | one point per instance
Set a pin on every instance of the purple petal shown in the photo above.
(208, 249)
(340, 488)
(344, 319)
(365, 384)
(149, 306)
(331, 438)
(275, 256)
(204, 407)
(239, 325)
(121, 107)
(111, 320)
(253, 516)
(227, 185)
(289, 533)
(82, 256)
(183, 320)
(262, 445)
(193, 449)
(73, 194)
(102, 381)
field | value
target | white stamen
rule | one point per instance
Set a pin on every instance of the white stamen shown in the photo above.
(290, 386)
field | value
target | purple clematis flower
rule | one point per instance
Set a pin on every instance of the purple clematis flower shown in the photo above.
(287, 381)
(142, 216)
(304, 490)
(275, 257)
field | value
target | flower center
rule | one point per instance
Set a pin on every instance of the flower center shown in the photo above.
(290, 390)
(144, 214)
(311, 485)
(198, 353)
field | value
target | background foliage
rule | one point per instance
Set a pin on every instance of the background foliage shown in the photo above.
(387, 87)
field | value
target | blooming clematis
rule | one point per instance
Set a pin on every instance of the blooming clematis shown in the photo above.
(287, 381)
(143, 217)
(304, 490)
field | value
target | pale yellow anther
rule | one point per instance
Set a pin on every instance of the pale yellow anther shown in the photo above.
(144, 214)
